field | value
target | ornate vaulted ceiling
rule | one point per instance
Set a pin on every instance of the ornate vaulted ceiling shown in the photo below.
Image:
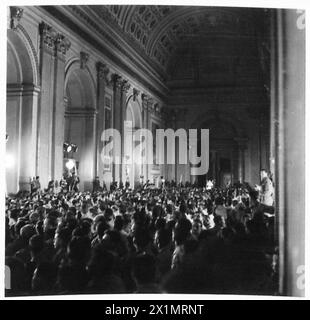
(184, 46)
(161, 30)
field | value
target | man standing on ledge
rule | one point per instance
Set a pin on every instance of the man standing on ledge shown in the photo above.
(265, 189)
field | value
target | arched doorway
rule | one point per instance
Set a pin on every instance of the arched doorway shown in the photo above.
(80, 122)
(133, 165)
(21, 113)
(224, 152)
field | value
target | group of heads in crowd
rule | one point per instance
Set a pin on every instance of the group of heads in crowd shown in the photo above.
(176, 239)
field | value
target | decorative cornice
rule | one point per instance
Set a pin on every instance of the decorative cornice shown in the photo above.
(81, 112)
(83, 59)
(16, 14)
(22, 89)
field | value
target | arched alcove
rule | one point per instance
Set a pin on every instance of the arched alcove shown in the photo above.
(224, 150)
(133, 113)
(133, 170)
(21, 113)
(79, 87)
(80, 119)
(19, 60)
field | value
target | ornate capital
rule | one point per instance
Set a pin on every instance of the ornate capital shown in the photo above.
(62, 44)
(147, 100)
(53, 40)
(135, 94)
(83, 59)
(144, 97)
(116, 80)
(103, 72)
(48, 35)
(157, 109)
(16, 14)
(125, 85)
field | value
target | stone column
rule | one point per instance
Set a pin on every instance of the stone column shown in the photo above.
(264, 134)
(143, 168)
(117, 82)
(103, 82)
(62, 45)
(288, 143)
(145, 119)
(25, 150)
(28, 135)
(53, 48)
(45, 119)
(90, 148)
(125, 86)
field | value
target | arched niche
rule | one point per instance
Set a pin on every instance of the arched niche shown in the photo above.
(79, 87)
(224, 150)
(133, 170)
(20, 68)
(133, 113)
(80, 120)
(21, 112)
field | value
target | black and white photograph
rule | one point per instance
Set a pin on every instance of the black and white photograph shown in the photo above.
(154, 148)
